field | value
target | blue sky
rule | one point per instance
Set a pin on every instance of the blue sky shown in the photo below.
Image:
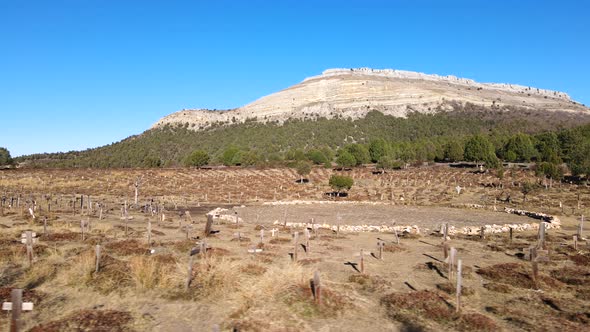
(83, 73)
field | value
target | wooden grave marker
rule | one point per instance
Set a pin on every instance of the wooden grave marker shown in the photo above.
(16, 306)
(316, 288)
(97, 250)
(459, 281)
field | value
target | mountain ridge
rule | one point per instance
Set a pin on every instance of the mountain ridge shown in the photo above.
(352, 93)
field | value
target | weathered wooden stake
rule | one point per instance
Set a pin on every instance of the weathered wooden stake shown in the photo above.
(317, 291)
(44, 225)
(16, 297)
(452, 259)
(535, 266)
(190, 271)
(262, 236)
(29, 243)
(97, 257)
(83, 229)
(295, 245)
(482, 233)
(149, 232)
(445, 248)
(445, 231)
(380, 244)
(362, 262)
(511, 231)
(459, 280)
(542, 235)
(307, 236)
(208, 225)
(575, 242)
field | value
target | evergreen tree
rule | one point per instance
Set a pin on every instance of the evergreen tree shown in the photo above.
(197, 158)
(5, 158)
(345, 159)
(479, 149)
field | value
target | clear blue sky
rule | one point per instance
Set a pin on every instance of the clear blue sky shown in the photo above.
(83, 73)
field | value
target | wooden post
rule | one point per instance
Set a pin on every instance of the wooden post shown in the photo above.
(307, 236)
(203, 249)
(362, 262)
(16, 297)
(82, 229)
(445, 247)
(452, 259)
(395, 233)
(149, 232)
(445, 232)
(581, 228)
(208, 225)
(535, 267)
(380, 244)
(190, 271)
(317, 289)
(511, 231)
(575, 242)
(97, 258)
(262, 236)
(295, 245)
(29, 243)
(137, 184)
(482, 231)
(44, 225)
(459, 280)
(541, 235)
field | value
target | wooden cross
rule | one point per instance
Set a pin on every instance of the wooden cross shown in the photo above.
(29, 238)
(16, 306)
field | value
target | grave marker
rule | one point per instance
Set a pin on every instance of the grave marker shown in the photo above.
(97, 257)
(316, 288)
(459, 281)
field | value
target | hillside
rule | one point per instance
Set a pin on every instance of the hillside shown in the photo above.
(417, 115)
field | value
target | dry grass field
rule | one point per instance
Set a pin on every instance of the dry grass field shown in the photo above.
(256, 274)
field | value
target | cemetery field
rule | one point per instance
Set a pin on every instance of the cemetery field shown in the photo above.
(432, 248)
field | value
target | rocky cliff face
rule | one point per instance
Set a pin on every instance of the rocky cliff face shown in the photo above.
(352, 93)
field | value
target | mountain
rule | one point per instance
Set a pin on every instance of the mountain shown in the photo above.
(416, 115)
(352, 93)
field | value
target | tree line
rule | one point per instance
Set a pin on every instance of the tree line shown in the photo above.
(469, 133)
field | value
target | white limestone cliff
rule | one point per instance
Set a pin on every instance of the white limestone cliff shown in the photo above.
(352, 93)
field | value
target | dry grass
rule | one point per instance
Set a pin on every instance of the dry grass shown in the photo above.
(148, 273)
(89, 320)
(517, 275)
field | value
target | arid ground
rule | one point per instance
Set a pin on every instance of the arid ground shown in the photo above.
(142, 286)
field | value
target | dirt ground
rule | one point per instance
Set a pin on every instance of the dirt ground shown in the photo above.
(142, 286)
